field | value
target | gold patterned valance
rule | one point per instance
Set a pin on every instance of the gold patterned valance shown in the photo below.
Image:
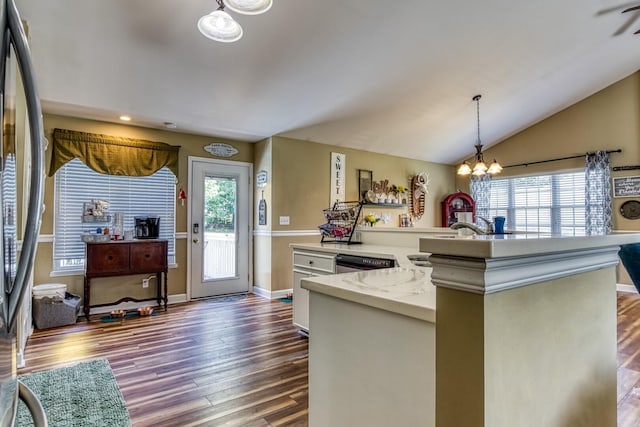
(112, 155)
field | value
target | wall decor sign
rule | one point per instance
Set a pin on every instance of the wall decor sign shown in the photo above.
(220, 150)
(261, 178)
(628, 186)
(262, 211)
(337, 183)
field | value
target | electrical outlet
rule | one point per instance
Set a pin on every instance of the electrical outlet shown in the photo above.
(145, 283)
(284, 220)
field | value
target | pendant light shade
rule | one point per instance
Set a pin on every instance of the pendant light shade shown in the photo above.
(249, 7)
(220, 26)
(479, 168)
(464, 169)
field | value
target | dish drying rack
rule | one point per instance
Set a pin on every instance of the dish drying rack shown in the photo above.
(341, 222)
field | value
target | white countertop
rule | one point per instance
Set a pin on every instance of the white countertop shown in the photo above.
(405, 291)
(517, 245)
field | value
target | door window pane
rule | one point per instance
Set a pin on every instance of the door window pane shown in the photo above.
(220, 228)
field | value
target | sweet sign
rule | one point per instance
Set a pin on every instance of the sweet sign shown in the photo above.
(337, 185)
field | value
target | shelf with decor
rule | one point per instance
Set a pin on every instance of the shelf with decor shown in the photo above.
(386, 205)
(341, 219)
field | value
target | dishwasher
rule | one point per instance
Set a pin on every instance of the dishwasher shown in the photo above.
(350, 263)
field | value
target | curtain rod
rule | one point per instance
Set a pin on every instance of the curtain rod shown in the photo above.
(560, 158)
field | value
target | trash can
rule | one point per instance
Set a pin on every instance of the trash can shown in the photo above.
(53, 306)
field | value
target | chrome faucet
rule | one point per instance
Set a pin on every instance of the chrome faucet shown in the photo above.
(474, 228)
(489, 227)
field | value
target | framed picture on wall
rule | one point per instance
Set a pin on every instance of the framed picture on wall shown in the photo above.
(365, 182)
(628, 186)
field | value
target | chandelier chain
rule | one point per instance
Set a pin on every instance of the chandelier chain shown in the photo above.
(477, 99)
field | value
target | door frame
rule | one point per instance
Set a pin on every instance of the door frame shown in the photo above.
(191, 160)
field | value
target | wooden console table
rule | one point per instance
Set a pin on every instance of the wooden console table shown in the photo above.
(122, 258)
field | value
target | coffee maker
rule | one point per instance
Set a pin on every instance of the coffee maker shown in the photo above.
(147, 227)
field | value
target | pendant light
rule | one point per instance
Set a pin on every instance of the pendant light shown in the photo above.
(249, 7)
(220, 26)
(479, 168)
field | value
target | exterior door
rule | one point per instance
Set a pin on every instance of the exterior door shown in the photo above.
(220, 230)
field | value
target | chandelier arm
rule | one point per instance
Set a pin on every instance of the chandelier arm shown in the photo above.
(220, 4)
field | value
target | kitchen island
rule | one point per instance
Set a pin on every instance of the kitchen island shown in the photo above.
(525, 334)
(372, 348)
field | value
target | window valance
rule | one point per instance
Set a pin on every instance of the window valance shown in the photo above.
(112, 155)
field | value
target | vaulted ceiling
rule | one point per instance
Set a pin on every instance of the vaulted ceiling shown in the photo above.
(383, 76)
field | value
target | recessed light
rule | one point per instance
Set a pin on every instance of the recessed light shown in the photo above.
(125, 118)
(170, 125)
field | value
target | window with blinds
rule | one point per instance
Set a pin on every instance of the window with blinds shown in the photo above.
(545, 203)
(75, 184)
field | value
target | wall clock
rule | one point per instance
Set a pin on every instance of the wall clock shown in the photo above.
(455, 203)
(630, 209)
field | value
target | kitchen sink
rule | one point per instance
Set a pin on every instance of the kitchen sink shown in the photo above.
(419, 260)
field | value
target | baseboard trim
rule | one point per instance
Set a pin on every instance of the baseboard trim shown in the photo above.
(626, 288)
(130, 305)
(264, 293)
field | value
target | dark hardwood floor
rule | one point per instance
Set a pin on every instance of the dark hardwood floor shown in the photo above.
(238, 361)
(234, 361)
(628, 360)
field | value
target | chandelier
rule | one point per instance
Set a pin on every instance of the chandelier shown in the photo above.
(479, 167)
(221, 27)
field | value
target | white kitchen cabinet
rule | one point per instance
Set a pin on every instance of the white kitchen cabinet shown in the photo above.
(307, 264)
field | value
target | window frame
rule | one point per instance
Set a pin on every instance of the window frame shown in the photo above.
(133, 188)
(556, 224)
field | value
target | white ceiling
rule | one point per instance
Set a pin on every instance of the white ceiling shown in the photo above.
(394, 77)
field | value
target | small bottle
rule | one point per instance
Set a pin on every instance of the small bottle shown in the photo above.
(106, 230)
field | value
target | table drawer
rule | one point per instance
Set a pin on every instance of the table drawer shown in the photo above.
(148, 257)
(107, 259)
(315, 261)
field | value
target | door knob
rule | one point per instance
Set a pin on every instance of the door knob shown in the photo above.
(196, 240)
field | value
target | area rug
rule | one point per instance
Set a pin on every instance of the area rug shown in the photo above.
(82, 395)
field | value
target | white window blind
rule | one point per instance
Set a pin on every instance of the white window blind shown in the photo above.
(545, 203)
(76, 183)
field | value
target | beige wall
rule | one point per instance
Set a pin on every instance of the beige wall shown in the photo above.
(106, 290)
(607, 120)
(262, 243)
(300, 190)
(301, 180)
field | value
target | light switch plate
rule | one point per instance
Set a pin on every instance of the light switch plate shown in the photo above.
(284, 220)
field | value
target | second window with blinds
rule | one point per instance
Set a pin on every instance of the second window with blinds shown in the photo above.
(552, 203)
(75, 184)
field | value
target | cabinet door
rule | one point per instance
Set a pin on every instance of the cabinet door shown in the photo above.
(300, 301)
(107, 258)
(148, 257)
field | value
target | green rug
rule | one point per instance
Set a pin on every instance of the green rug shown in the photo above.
(82, 395)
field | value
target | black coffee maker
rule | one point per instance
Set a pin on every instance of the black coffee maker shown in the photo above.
(147, 227)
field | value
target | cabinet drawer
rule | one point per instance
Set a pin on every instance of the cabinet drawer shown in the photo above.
(314, 261)
(148, 257)
(107, 259)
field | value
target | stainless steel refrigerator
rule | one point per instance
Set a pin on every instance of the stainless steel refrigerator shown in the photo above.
(21, 200)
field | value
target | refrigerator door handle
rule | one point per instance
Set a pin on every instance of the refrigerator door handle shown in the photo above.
(33, 404)
(36, 132)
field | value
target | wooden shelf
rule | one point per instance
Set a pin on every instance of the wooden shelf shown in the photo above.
(388, 205)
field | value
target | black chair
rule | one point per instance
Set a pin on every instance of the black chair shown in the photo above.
(630, 256)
